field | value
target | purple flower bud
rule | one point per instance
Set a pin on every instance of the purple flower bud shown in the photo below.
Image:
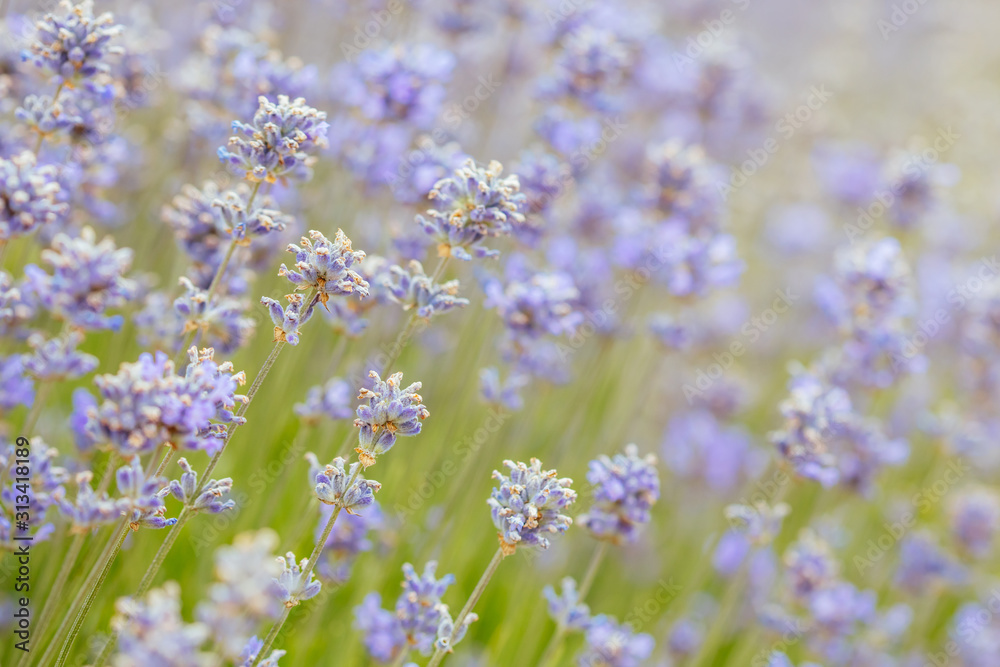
(528, 505)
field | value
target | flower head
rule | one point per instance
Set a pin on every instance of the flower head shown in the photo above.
(625, 488)
(87, 281)
(30, 196)
(415, 290)
(210, 498)
(333, 400)
(146, 404)
(473, 204)
(613, 644)
(391, 411)
(288, 320)
(294, 584)
(57, 358)
(221, 321)
(345, 488)
(566, 608)
(73, 43)
(326, 266)
(277, 143)
(528, 505)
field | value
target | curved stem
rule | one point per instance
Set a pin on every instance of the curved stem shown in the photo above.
(550, 655)
(306, 573)
(49, 609)
(477, 593)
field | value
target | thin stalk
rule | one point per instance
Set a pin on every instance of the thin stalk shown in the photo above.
(41, 135)
(550, 655)
(78, 601)
(31, 421)
(477, 593)
(306, 573)
(49, 609)
(401, 658)
(89, 602)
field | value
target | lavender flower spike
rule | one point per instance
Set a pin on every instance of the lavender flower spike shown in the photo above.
(294, 585)
(626, 487)
(326, 266)
(391, 411)
(277, 142)
(210, 499)
(332, 486)
(288, 320)
(415, 290)
(528, 504)
(74, 44)
(31, 196)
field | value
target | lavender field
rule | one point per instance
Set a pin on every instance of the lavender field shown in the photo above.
(497, 333)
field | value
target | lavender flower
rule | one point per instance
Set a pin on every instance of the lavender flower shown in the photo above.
(391, 411)
(326, 266)
(277, 143)
(566, 609)
(288, 320)
(245, 593)
(610, 644)
(975, 517)
(243, 223)
(415, 290)
(89, 510)
(293, 584)
(760, 522)
(528, 504)
(88, 280)
(152, 631)
(146, 405)
(141, 497)
(74, 44)
(30, 195)
(419, 613)
(506, 393)
(46, 117)
(210, 498)
(221, 322)
(249, 653)
(332, 400)
(16, 386)
(345, 488)
(473, 204)
(625, 488)
(57, 358)
(46, 490)
(533, 304)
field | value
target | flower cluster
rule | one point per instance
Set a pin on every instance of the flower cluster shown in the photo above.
(391, 411)
(147, 405)
(473, 204)
(74, 44)
(528, 504)
(325, 266)
(415, 290)
(625, 488)
(344, 488)
(31, 195)
(276, 145)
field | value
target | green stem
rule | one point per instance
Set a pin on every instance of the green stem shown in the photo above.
(306, 573)
(49, 609)
(31, 421)
(550, 655)
(477, 593)
(401, 658)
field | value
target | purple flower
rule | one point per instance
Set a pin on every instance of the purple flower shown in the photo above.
(473, 204)
(89, 510)
(534, 304)
(73, 43)
(147, 405)
(46, 489)
(243, 223)
(88, 280)
(922, 563)
(528, 505)
(210, 498)
(30, 196)
(342, 487)
(16, 386)
(610, 644)
(975, 515)
(506, 393)
(415, 290)
(294, 584)
(381, 631)
(566, 609)
(326, 266)
(810, 565)
(152, 632)
(391, 411)
(333, 400)
(277, 143)
(141, 497)
(46, 117)
(221, 323)
(625, 489)
(288, 320)
(57, 358)
(697, 446)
